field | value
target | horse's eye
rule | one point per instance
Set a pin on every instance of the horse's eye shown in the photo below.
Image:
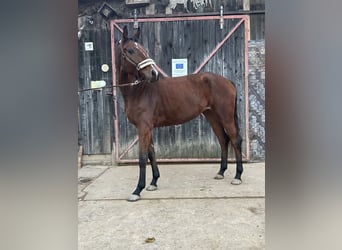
(131, 51)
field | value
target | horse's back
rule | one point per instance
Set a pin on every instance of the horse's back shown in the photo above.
(206, 84)
(218, 80)
(217, 85)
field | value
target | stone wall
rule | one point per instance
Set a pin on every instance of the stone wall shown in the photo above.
(256, 66)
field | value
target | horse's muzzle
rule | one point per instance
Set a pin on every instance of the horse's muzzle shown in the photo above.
(149, 75)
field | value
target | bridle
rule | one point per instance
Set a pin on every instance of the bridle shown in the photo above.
(141, 65)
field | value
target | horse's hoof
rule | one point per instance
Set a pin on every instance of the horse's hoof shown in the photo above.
(236, 182)
(133, 197)
(218, 177)
(151, 188)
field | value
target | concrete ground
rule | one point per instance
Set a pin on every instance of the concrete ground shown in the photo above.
(190, 209)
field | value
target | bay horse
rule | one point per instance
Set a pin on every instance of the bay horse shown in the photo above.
(155, 101)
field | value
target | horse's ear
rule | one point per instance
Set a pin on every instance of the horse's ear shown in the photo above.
(125, 34)
(137, 34)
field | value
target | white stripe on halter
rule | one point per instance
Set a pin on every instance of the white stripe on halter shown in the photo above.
(145, 63)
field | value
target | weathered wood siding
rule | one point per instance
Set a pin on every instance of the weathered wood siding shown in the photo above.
(257, 21)
(96, 127)
(96, 124)
(194, 40)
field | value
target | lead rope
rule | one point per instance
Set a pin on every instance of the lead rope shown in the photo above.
(136, 82)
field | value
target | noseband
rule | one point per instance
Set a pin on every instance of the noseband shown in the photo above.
(145, 63)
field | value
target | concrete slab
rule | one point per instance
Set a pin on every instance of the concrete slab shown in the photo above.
(174, 224)
(90, 172)
(190, 210)
(179, 181)
(86, 175)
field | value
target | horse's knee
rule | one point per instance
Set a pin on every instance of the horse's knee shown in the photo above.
(238, 140)
(151, 152)
(142, 158)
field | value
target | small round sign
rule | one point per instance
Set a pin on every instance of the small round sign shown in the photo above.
(105, 67)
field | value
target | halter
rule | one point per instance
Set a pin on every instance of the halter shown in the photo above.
(143, 64)
(139, 66)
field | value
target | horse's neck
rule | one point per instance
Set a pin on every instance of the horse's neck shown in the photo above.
(129, 91)
(123, 79)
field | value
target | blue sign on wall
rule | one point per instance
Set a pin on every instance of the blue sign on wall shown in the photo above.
(179, 67)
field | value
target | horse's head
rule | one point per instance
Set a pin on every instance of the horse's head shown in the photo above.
(134, 59)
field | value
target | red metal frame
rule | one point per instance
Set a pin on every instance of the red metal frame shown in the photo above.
(244, 19)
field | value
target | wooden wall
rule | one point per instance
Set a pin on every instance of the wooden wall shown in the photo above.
(96, 121)
(257, 21)
(96, 127)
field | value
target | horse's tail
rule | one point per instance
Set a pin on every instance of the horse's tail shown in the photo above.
(236, 118)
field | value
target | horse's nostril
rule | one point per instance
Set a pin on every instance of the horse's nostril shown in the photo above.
(155, 74)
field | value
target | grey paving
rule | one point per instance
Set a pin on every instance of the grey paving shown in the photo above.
(190, 210)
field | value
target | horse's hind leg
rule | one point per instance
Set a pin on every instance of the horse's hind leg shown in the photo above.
(236, 141)
(222, 138)
(155, 170)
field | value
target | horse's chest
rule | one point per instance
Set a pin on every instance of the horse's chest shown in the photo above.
(135, 112)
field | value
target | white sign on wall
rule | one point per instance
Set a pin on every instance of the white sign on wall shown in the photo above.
(196, 3)
(179, 67)
(88, 46)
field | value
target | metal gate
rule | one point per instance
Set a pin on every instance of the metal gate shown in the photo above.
(207, 47)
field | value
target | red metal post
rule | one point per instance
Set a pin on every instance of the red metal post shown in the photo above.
(246, 87)
(116, 123)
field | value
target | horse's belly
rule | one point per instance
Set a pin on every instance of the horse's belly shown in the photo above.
(177, 118)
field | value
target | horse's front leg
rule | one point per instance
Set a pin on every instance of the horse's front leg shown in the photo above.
(155, 170)
(145, 137)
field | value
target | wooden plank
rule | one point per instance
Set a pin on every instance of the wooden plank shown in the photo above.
(246, 7)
